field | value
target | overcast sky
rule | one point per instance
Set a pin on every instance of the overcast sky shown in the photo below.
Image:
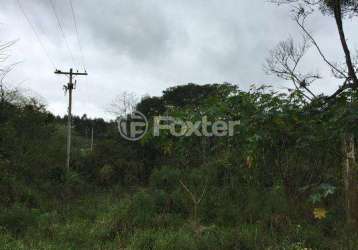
(146, 46)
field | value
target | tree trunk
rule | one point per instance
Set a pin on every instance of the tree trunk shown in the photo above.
(350, 180)
(339, 21)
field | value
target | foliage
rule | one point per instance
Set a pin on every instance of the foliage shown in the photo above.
(275, 184)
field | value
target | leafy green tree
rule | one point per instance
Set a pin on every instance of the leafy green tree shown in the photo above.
(284, 63)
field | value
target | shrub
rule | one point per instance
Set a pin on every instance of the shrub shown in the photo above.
(218, 238)
(175, 240)
(18, 219)
(165, 178)
(142, 209)
(105, 175)
(250, 236)
(144, 240)
(163, 240)
(116, 220)
(76, 234)
(7, 242)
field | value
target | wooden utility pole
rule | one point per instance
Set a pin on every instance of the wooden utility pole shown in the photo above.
(70, 86)
(92, 140)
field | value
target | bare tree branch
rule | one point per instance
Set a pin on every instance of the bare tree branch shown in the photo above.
(196, 201)
(302, 9)
(300, 18)
(123, 104)
(3, 47)
(5, 94)
(284, 61)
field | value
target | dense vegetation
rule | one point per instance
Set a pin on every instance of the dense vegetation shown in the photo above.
(276, 184)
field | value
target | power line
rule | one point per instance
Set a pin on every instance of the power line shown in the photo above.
(62, 31)
(36, 33)
(80, 46)
(77, 33)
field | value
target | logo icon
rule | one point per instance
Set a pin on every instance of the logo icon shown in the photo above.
(133, 127)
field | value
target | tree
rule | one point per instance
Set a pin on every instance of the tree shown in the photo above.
(302, 9)
(151, 106)
(284, 62)
(124, 104)
(193, 94)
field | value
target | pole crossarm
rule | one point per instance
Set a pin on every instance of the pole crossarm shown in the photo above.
(69, 73)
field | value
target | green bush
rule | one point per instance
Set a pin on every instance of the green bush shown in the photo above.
(18, 219)
(169, 221)
(7, 242)
(114, 221)
(163, 240)
(175, 240)
(165, 178)
(144, 240)
(106, 175)
(142, 209)
(219, 239)
(75, 233)
(250, 236)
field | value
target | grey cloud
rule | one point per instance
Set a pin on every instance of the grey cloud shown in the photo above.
(146, 46)
(139, 30)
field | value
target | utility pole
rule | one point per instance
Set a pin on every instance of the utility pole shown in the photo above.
(92, 140)
(70, 86)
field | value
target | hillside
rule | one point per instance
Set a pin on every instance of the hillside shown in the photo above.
(275, 184)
